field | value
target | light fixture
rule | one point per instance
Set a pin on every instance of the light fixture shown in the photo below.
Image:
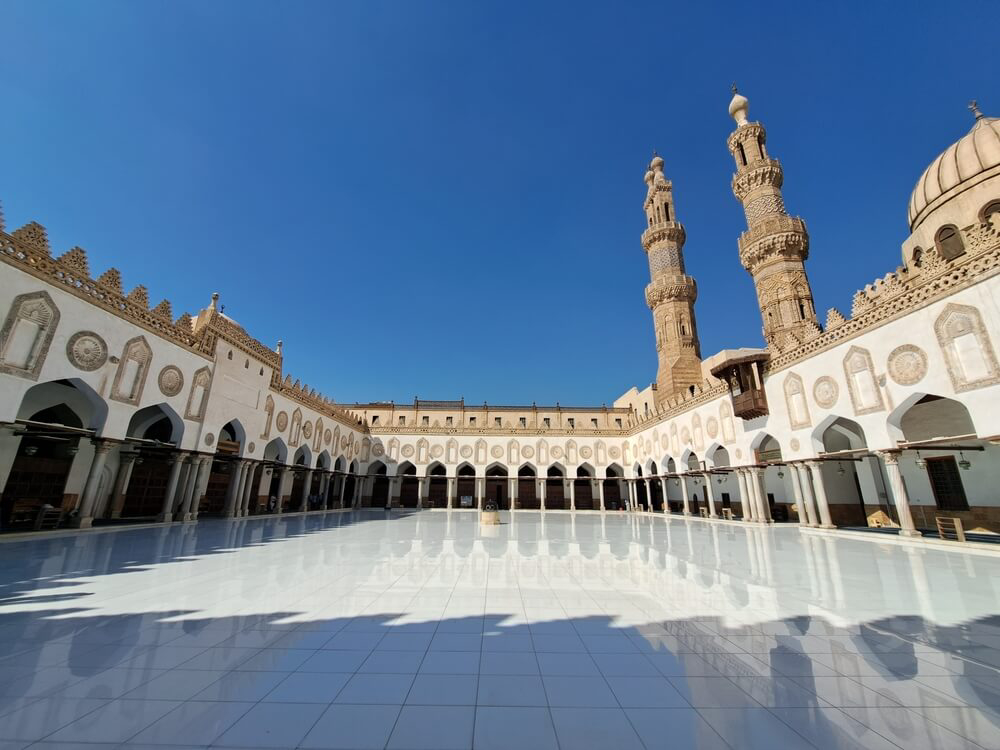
(781, 474)
(964, 463)
(30, 450)
(840, 469)
(921, 463)
(72, 450)
(677, 482)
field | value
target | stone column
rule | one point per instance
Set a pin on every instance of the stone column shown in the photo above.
(420, 492)
(799, 498)
(541, 494)
(684, 495)
(600, 490)
(649, 494)
(816, 468)
(235, 507)
(306, 490)
(807, 495)
(279, 508)
(480, 491)
(899, 493)
(572, 494)
(760, 491)
(183, 512)
(745, 503)
(201, 479)
(85, 516)
(249, 489)
(233, 490)
(126, 462)
(343, 487)
(452, 482)
(167, 511)
(512, 487)
(710, 496)
(663, 491)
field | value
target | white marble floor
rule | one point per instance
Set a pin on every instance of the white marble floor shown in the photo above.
(423, 630)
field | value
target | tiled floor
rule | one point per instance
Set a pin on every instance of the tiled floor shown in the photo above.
(425, 631)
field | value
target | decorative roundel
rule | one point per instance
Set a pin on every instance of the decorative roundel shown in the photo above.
(586, 452)
(282, 421)
(378, 450)
(794, 444)
(343, 442)
(307, 430)
(739, 453)
(251, 447)
(907, 364)
(327, 437)
(406, 451)
(170, 380)
(826, 391)
(86, 351)
(496, 451)
(556, 452)
(712, 427)
(465, 451)
(685, 436)
(527, 452)
(437, 451)
(614, 451)
(648, 447)
(209, 439)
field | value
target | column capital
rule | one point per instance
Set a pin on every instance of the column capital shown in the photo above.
(102, 445)
(889, 456)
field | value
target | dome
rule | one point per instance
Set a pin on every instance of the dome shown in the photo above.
(968, 161)
(738, 107)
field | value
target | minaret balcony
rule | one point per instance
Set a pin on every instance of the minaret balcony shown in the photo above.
(672, 231)
(776, 226)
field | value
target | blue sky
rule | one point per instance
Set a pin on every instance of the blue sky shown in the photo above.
(444, 199)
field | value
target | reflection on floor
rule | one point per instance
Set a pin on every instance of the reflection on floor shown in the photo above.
(425, 630)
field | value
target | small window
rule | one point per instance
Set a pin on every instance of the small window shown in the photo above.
(523, 422)
(375, 421)
(949, 242)
(472, 421)
(802, 311)
(246, 365)
(918, 257)
(657, 213)
(572, 423)
(743, 155)
(650, 221)
(230, 355)
(546, 422)
(261, 370)
(402, 421)
(666, 212)
(497, 422)
(946, 483)
(449, 421)
(991, 210)
(593, 423)
(618, 422)
(425, 421)
(760, 146)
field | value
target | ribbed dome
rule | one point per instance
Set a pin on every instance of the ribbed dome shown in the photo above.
(973, 154)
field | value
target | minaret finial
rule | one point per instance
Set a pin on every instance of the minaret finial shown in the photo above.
(974, 109)
(215, 301)
(734, 89)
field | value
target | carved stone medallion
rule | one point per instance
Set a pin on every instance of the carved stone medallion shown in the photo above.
(378, 450)
(712, 427)
(170, 380)
(685, 435)
(907, 364)
(86, 351)
(327, 437)
(496, 451)
(527, 452)
(307, 430)
(251, 447)
(826, 391)
(343, 442)
(794, 444)
(406, 451)
(614, 451)
(281, 421)
(437, 451)
(739, 453)
(586, 452)
(465, 451)
(209, 439)
(556, 452)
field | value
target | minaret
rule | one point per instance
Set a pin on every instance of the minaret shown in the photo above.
(775, 246)
(671, 293)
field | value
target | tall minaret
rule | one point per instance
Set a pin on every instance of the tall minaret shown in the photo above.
(671, 293)
(775, 246)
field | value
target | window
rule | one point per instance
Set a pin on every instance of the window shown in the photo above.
(946, 483)
(743, 155)
(949, 242)
(657, 213)
(546, 422)
(760, 146)
(230, 355)
(246, 365)
(425, 421)
(918, 257)
(618, 423)
(666, 212)
(992, 209)
(572, 423)
(497, 422)
(472, 421)
(448, 421)
(523, 422)
(593, 423)
(650, 221)
(375, 421)
(802, 311)
(402, 421)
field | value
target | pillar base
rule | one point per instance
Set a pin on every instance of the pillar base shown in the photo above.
(182, 517)
(712, 515)
(687, 513)
(83, 523)
(830, 526)
(912, 534)
(165, 518)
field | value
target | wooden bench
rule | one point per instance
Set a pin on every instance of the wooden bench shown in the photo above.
(950, 528)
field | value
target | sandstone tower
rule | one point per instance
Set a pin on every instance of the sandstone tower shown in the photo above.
(671, 293)
(775, 246)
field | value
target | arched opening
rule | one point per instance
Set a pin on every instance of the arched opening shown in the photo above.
(466, 490)
(696, 492)
(51, 462)
(350, 484)
(527, 482)
(724, 487)
(555, 489)
(845, 480)
(949, 242)
(301, 461)
(655, 489)
(275, 457)
(496, 486)
(437, 491)
(583, 488)
(612, 488)
(145, 471)
(409, 488)
(380, 485)
(224, 470)
(641, 497)
(338, 483)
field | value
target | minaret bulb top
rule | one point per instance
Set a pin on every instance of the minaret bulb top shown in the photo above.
(648, 178)
(738, 107)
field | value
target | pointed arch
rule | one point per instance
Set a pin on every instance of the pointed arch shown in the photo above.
(157, 422)
(795, 402)
(268, 417)
(968, 351)
(197, 401)
(27, 334)
(295, 429)
(133, 367)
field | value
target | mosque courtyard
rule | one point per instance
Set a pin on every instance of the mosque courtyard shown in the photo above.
(555, 630)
